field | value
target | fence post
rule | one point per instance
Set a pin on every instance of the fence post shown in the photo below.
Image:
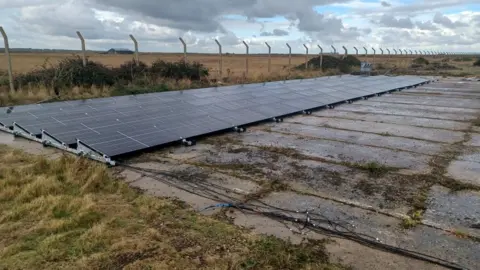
(246, 58)
(389, 54)
(184, 49)
(395, 51)
(269, 57)
(356, 50)
(366, 51)
(381, 50)
(346, 52)
(84, 54)
(289, 55)
(374, 52)
(306, 56)
(334, 50)
(135, 43)
(321, 56)
(9, 59)
(220, 60)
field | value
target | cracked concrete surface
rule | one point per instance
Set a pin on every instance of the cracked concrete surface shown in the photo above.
(418, 140)
(372, 165)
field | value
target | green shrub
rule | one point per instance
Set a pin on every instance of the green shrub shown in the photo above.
(130, 71)
(68, 72)
(421, 61)
(332, 62)
(477, 63)
(178, 70)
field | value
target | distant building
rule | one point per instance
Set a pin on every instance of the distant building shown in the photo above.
(119, 51)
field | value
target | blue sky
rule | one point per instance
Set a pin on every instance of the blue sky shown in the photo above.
(431, 24)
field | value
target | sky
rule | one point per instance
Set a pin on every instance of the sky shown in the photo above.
(440, 25)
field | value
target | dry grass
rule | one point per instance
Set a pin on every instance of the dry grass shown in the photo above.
(71, 213)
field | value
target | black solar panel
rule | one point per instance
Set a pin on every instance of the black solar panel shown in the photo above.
(120, 125)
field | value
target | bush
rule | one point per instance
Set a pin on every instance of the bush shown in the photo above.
(130, 71)
(331, 62)
(68, 73)
(178, 70)
(477, 63)
(421, 61)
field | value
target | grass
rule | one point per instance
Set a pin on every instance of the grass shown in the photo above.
(71, 213)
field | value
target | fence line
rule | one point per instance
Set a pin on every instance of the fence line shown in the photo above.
(403, 52)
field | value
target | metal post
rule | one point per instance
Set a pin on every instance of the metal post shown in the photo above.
(246, 58)
(289, 55)
(321, 56)
(269, 57)
(401, 52)
(395, 51)
(334, 50)
(389, 54)
(346, 52)
(306, 56)
(136, 49)
(374, 52)
(356, 50)
(366, 51)
(381, 50)
(9, 59)
(220, 60)
(184, 49)
(84, 54)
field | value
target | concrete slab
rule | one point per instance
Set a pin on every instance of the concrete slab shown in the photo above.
(383, 108)
(465, 171)
(415, 107)
(430, 101)
(360, 138)
(339, 151)
(429, 134)
(426, 240)
(455, 210)
(474, 141)
(395, 119)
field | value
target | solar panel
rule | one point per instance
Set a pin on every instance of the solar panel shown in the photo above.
(119, 125)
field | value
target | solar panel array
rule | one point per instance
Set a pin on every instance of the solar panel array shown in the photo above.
(118, 125)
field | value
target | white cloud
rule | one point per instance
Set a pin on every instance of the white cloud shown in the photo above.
(157, 25)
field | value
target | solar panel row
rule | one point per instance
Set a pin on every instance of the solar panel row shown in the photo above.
(120, 125)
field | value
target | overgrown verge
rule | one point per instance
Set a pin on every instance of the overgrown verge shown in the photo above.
(71, 213)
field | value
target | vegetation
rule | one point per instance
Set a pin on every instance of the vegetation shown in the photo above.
(477, 63)
(70, 72)
(333, 63)
(71, 213)
(421, 61)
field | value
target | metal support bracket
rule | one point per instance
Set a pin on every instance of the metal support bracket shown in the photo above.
(277, 119)
(22, 132)
(190, 142)
(86, 151)
(239, 129)
(49, 140)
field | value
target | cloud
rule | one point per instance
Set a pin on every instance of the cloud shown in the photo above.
(275, 32)
(445, 21)
(385, 4)
(428, 25)
(391, 21)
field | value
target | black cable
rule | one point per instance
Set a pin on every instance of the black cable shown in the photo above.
(307, 222)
